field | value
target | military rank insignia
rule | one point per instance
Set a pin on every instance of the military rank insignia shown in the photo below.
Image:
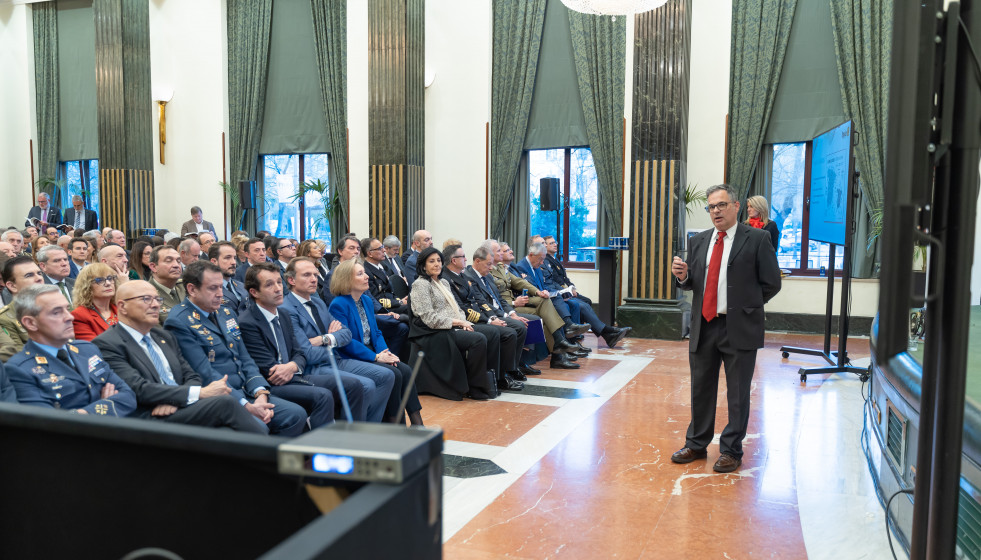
(472, 316)
(41, 360)
(101, 409)
(385, 302)
(196, 315)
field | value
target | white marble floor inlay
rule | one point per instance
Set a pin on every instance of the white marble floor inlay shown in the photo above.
(463, 499)
(840, 515)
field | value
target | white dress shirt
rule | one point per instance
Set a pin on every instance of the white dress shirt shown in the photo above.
(722, 300)
(194, 391)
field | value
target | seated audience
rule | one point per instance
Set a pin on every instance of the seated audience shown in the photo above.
(63, 241)
(7, 392)
(149, 360)
(393, 261)
(205, 240)
(115, 256)
(314, 249)
(139, 261)
(16, 240)
(234, 296)
(115, 237)
(190, 251)
(421, 239)
(165, 268)
(78, 250)
(95, 301)
(455, 355)
(53, 371)
(51, 233)
(319, 336)
(211, 341)
(351, 306)
(39, 242)
(19, 273)
(255, 253)
(7, 249)
(268, 335)
(373, 254)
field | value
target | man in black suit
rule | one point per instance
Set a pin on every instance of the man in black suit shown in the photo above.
(421, 239)
(43, 213)
(78, 217)
(53, 262)
(233, 294)
(378, 282)
(255, 251)
(149, 360)
(727, 323)
(395, 266)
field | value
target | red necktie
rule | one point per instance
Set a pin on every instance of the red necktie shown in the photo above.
(710, 303)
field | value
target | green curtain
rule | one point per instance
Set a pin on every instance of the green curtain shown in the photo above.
(330, 34)
(249, 25)
(599, 45)
(760, 33)
(517, 40)
(45, 19)
(863, 39)
(517, 223)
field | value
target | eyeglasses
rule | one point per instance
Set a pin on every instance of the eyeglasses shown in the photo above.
(290, 246)
(376, 249)
(103, 279)
(464, 257)
(720, 207)
(147, 299)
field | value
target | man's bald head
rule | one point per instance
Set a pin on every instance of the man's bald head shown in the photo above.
(138, 305)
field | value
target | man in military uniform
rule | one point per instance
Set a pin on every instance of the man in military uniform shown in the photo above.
(234, 295)
(557, 334)
(210, 340)
(502, 340)
(18, 274)
(378, 284)
(165, 263)
(53, 372)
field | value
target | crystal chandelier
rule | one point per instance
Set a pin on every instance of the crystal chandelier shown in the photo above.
(613, 7)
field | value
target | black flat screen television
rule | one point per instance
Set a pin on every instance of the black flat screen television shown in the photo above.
(831, 182)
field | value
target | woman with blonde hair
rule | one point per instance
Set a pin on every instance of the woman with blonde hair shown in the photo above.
(94, 298)
(758, 213)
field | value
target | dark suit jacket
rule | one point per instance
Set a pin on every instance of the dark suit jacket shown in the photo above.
(261, 342)
(238, 301)
(190, 227)
(89, 222)
(130, 362)
(69, 282)
(7, 392)
(463, 290)
(410, 267)
(533, 275)
(381, 288)
(305, 328)
(559, 274)
(241, 270)
(752, 277)
(54, 215)
(486, 297)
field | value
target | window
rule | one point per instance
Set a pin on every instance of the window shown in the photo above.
(82, 179)
(574, 225)
(285, 212)
(789, 188)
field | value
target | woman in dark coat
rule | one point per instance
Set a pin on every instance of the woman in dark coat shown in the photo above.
(455, 356)
(758, 212)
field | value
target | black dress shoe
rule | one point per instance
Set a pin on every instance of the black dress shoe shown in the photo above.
(577, 339)
(528, 370)
(517, 375)
(573, 330)
(563, 346)
(508, 384)
(614, 338)
(583, 348)
(561, 361)
(579, 354)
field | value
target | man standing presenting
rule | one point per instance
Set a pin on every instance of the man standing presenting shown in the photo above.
(729, 326)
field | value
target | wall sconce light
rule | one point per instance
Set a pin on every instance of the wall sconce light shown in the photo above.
(162, 95)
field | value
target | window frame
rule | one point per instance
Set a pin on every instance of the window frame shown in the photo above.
(302, 234)
(805, 242)
(565, 194)
(84, 174)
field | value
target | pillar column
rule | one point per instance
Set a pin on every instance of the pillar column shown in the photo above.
(662, 51)
(396, 117)
(122, 69)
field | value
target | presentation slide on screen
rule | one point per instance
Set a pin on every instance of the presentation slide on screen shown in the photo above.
(829, 185)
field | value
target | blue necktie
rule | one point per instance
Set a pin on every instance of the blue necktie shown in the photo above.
(491, 290)
(165, 375)
(280, 340)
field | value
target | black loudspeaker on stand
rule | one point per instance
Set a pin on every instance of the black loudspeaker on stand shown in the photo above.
(246, 198)
(549, 189)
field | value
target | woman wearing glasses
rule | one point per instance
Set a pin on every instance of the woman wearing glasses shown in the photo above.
(94, 299)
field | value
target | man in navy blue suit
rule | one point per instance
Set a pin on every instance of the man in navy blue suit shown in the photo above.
(234, 295)
(268, 333)
(255, 251)
(211, 341)
(570, 309)
(43, 214)
(53, 371)
(318, 334)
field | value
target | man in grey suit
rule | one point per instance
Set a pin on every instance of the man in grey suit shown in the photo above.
(727, 323)
(53, 262)
(197, 224)
(149, 360)
(78, 217)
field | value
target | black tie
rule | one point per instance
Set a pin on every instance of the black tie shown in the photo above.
(231, 293)
(214, 319)
(65, 357)
(280, 340)
(316, 317)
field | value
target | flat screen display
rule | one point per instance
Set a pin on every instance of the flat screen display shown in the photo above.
(830, 185)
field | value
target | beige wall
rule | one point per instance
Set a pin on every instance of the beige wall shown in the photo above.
(16, 109)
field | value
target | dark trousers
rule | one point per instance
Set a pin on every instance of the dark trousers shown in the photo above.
(289, 418)
(713, 350)
(353, 389)
(520, 333)
(401, 380)
(473, 347)
(396, 334)
(495, 343)
(316, 401)
(223, 411)
(583, 312)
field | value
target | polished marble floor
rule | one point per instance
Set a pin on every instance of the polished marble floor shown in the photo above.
(578, 465)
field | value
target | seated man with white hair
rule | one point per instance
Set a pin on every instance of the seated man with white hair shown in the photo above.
(15, 238)
(117, 237)
(115, 256)
(190, 251)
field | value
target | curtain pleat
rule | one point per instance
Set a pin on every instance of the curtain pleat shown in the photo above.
(599, 49)
(45, 19)
(863, 38)
(760, 33)
(249, 26)
(517, 39)
(330, 34)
